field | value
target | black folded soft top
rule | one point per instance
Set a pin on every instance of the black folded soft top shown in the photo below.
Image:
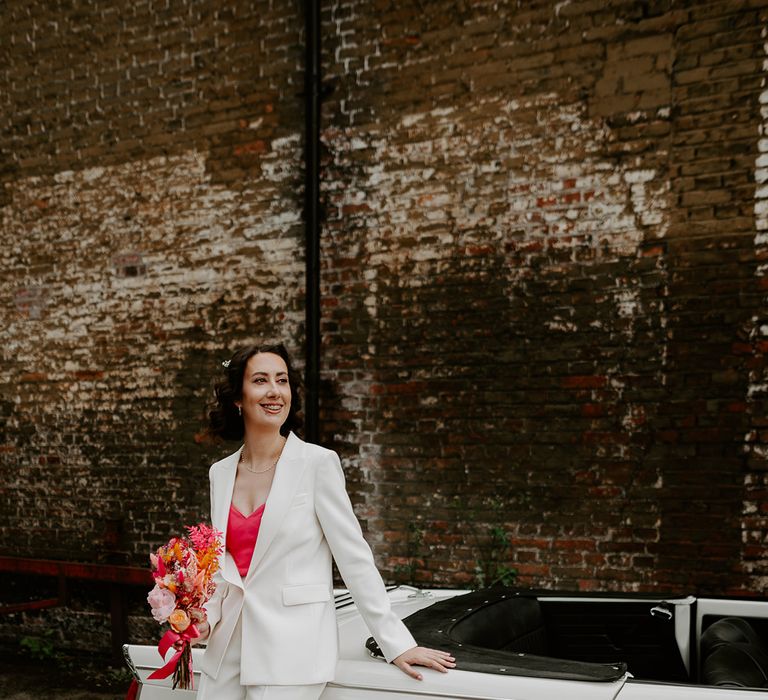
(449, 624)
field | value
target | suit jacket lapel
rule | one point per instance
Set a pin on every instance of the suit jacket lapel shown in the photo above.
(225, 486)
(288, 472)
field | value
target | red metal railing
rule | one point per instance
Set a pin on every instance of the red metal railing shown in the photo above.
(117, 576)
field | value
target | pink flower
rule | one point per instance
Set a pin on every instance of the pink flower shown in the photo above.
(203, 537)
(162, 602)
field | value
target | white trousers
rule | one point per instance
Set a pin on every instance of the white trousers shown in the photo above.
(226, 686)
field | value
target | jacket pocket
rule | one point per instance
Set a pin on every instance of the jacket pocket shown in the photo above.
(310, 593)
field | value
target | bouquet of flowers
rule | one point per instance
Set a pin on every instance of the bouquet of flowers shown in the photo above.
(183, 571)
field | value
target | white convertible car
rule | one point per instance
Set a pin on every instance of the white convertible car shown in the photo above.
(521, 645)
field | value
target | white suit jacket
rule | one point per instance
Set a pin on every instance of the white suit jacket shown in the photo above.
(289, 633)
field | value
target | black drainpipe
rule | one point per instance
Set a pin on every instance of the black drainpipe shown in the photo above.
(312, 80)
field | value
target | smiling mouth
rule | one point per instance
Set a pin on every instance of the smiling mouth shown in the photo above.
(272, 407)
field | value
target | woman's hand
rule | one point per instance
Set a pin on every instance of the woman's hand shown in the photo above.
(203, 628)
(421, 656)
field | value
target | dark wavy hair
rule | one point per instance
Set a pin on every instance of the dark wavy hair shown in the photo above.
(223, 419)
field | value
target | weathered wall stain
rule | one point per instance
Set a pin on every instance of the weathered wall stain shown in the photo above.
(151, 221)
(754, 344)
(602, 170)
(474, 308)
(109, 363)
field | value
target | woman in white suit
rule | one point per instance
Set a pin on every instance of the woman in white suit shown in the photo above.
(282, 506)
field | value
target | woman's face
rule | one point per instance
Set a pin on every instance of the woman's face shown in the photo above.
(266, 396)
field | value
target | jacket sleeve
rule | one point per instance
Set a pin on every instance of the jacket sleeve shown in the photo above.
(213, 606)
(355, 561)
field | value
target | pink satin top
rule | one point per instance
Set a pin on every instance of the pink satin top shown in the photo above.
(241, 536)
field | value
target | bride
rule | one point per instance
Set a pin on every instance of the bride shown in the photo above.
(281, 502)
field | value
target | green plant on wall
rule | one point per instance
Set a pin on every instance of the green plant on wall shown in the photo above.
(39, 648)
(413, 549)
(491, 541)
(491, 568)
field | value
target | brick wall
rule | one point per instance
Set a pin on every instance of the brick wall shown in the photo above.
(754, 521)
(544, 288)
(543, 276)
(151, 221)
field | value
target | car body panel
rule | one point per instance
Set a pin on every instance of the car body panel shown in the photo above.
(642, 690)
(361, 677)
(143, 660)
(379, 681)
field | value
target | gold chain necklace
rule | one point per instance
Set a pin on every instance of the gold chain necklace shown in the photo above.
(268, 468)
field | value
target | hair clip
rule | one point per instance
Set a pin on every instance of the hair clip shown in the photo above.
(226, 363)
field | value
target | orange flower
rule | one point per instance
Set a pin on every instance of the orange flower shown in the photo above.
(179, 620)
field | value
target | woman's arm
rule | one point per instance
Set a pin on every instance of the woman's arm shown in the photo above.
(357, 567)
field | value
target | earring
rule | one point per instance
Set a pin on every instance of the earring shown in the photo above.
(239, 411)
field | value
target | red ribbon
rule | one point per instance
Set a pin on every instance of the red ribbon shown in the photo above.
(133, 690)
(168, 640)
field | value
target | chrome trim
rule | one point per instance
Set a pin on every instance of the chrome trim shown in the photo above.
(421, 594)
(131, 666)
(686, 600)
(662, 612)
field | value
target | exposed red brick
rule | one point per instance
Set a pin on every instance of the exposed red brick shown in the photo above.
(350, 209)
(33, 377)
(254, 147)
(89, 375)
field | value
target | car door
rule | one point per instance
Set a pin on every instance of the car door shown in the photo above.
(640, 690)
(377, 680)
(702, 613)
(650, 634)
